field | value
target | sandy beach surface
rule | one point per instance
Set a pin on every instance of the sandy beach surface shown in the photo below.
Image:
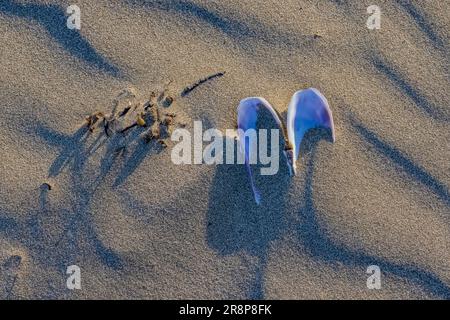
(139, 226)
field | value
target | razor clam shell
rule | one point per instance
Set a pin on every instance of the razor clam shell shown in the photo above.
(308, 109)
(248, 111)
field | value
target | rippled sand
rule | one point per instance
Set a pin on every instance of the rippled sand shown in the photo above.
(139, 226)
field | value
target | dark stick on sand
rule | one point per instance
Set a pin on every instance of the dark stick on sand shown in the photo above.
(129, 127)
(191, 88)
(106, 126)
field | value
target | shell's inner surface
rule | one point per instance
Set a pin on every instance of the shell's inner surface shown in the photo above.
(250, 111)
(308, 109)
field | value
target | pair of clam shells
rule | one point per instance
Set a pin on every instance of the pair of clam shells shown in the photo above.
(308, 109)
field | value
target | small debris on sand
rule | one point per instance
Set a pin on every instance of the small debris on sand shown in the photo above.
(47, 186)
(92, 120)
(128, 113)
(140, 120)
(163, 143)
(148, 136)
(169, 119)
(125, 111)
(167, 101)
(156, 131)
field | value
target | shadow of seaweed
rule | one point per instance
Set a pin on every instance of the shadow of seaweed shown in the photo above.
(10, 266)
(234, 28)
(321, 247)
(421, 21)
(402, 162)
(141, 150)
(32, 233)
(402, 84)
(9, 273)
(70, 146)
(74, 155)
(53, 19)
(81, 226)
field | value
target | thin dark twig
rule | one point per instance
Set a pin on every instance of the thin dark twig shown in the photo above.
(124, 112)
(106, 126)
(191, 88)
(129, 127)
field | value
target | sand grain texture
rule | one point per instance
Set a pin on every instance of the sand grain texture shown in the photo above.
(141, 227)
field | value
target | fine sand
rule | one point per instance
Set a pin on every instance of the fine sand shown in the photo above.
(140, 226)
